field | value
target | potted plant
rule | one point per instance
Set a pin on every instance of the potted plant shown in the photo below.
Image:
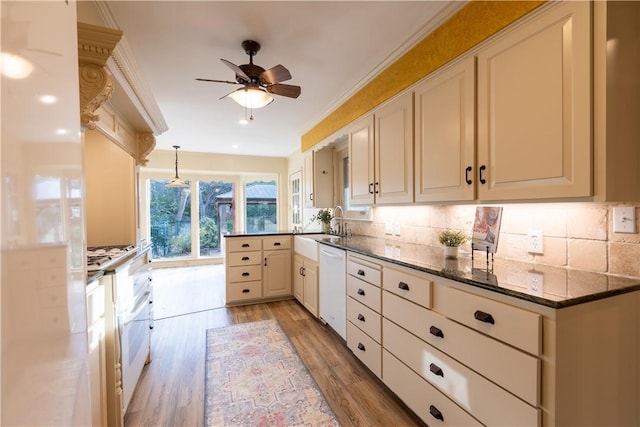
(451, 239)
(324, 217)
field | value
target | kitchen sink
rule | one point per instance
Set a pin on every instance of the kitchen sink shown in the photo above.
(307, 246)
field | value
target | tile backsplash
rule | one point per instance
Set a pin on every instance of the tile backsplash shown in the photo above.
(576, 235)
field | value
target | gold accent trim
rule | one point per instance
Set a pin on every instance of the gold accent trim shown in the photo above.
(471, 25)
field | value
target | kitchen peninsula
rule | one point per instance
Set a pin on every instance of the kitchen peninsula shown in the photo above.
(509, 342)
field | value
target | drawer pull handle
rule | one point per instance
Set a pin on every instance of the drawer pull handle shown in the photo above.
(435, 413)
(437, 332)
(245, 291)
(481, 176)
(361, 347)
(435, 369)
(360, 273)
(466, 175)
(245, 274)
(245, 245)
(361, 317)
(403, 286)
(245, 258)
(277, 244)
(265, 261)
(484, 317)
(360, 292)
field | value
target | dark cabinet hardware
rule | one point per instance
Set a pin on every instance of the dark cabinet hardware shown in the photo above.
(376, 187)
(361, 317)
(150, 326)
(245, 245)
(277, 244)
(435, 413)
(481, 177)
(403, 286)
(311, 196)
(467, 171)
(361, 347)
(484, 317)
(245, 274)
(437, 332)
(245, 258)
(360, 292)
(360, 273)
(245, 291)
(300, 272)
(435, 369)
(265, 261)
(371, 188)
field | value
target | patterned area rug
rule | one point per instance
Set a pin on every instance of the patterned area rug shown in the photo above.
(254, 377)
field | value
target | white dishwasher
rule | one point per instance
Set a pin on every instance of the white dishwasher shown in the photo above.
(333, 288)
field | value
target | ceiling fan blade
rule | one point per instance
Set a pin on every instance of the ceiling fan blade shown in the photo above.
(236, 69)
(223, 97)
(218, 81)
(284, 90)
(275, 75)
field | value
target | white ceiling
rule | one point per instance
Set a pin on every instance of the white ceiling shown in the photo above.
(331, 48)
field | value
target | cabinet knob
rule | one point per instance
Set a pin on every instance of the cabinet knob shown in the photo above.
(484, 317)
(467, 171)
(435, 369)
(361, 347)
(360, 273)
(437, 332)
(435, 413)
(403, 286)
(361, 317)
(481, 177)
(360, 292)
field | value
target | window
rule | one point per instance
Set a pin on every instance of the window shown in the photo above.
(261, 206)
(170, 220)
(296, 199)
(216, 203)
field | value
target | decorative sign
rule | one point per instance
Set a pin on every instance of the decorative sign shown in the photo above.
(486, 229)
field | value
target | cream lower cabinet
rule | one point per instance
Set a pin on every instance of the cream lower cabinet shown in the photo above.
(97, 355)
(305, 283)
(257, 268)
(458, 355)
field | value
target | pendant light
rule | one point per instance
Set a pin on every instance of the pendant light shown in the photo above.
(177, 181)
(252, 96)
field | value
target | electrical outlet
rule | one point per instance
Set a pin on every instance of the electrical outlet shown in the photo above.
(396, 229)
(535, 283)
(624, 220)
(535, 242)
(388, 228)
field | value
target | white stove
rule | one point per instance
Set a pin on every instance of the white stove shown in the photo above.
(100, 257)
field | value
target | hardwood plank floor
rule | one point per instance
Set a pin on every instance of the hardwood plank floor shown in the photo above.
(171, 389)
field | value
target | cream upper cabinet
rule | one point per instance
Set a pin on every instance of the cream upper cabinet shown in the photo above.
(534, 108)
(381, 154)
(361, 162)
(445, 134)
(318, 178)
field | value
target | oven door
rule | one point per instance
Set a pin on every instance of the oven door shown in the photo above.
(135, 340)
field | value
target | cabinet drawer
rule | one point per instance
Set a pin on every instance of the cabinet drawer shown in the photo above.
(508, 367)
(246, 273)
(274, 243)
(488, 402)
(413, 288)
(364, 292)
(364, 318)
(243, 244)
(364, 272)
(426, 401)
(244, 291)
(365, 349)
(513, 325)
(244, 258)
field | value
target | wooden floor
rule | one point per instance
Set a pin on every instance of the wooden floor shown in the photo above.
(171, 390)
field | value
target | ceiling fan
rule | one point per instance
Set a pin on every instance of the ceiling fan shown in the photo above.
(258, 83)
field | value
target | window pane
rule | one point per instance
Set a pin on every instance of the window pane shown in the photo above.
(216, 214)
(260, 205)
(170, 220)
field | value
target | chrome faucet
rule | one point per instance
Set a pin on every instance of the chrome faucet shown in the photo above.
(339, 219)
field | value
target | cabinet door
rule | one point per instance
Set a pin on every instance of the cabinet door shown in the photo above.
(534, 108)
(393, 150)
(361, 163)
(298, 278)
(308, 179)
(276, 276)
(445, 135)
(318, 183)
(311, 286)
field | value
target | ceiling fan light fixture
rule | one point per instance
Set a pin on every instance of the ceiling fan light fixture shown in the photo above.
(177, 181)
(251, 97)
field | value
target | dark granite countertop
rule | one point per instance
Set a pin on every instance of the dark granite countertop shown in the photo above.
(562, 287)
(267, 233)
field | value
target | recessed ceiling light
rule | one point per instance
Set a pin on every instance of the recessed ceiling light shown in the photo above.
(243, 121)
(14, 66)
(61, 131)
(234, 146)
(48, 99)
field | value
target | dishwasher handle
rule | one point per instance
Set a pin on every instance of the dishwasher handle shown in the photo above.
(331, 255)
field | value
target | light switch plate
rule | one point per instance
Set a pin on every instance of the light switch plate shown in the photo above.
(535, 283)
(535, 242)
(388, 228)
(624, 220)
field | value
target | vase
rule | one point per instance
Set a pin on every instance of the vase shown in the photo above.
(451, 252)
(326, 227)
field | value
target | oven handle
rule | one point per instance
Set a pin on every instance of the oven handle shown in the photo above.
(142, 303)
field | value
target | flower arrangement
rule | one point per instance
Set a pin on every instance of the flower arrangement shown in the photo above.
(452, 238)
(323, 216)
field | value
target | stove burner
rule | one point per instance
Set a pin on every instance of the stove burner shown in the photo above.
(100, 256)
